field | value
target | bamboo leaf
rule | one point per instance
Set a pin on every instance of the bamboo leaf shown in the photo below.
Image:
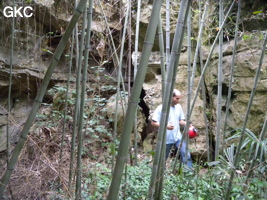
(48, 51)
(257, 12)
(214, 163)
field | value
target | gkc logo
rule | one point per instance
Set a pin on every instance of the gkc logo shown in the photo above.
(21, 11)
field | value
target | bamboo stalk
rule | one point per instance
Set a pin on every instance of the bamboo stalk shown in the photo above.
(39, 97)
(113, 46)
(73, 138)
(205, 109)
(133, 102)
(66, 106)
(119, 78)
(198, 53)
(83, 97)
(174, 79)
(136, 37)
(209, 56)
(203, 87)
(198, 44)
(10, 89)
(162, 58)
(66, 99)
(135, 71)
(129, 32)
(232, 72)
(256, 79)
(189, 48)
(77, 98)
(168, 35)
(133, 159)
(219, 90)
(171, 73)
(176, 56)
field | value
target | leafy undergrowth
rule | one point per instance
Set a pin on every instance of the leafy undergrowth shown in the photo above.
(42, 172)
(189, 184)
(40, 175)
(212, 182)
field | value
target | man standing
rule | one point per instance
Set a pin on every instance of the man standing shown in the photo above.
(173, 134)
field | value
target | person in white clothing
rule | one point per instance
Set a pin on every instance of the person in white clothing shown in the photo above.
(173, 133)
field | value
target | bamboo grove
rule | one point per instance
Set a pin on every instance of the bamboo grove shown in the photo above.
(170, 52)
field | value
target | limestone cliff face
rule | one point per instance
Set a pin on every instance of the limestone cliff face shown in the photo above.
(36, 38)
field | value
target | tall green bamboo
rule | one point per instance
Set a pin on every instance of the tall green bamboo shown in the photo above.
(39, 97)
(133, 159)
(256, 79)
(176, 61)
(120, 78)
(73, 138)
(133, 102)
(66, 99)
(219, 90)
(9, 88)
(83, 97)
(168, 34)
(205, 109)
(171, 75)
(202, 21)
(189, 63)
(162, 57)
(126, 21)
(191, 76)
(136, 37)
(67, 89)
(200, 31)
(78, 98)
(129, 33)
(231, 72)
(135, 71)
(117, 60)
(175, 55)
(210, 55)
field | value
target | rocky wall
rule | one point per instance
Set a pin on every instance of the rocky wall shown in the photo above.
(35, 40)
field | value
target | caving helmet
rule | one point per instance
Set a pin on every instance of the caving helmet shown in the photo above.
(192, 131)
